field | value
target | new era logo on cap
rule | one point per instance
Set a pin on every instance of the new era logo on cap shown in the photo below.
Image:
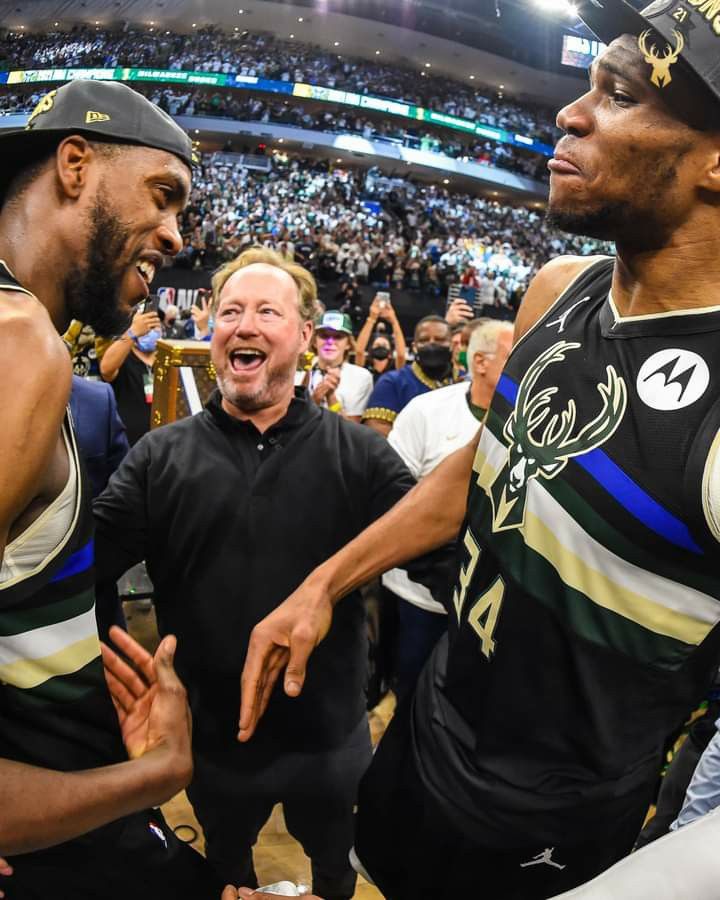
(92, 116)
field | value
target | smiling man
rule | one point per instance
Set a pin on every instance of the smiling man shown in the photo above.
(585, 622)
(232, 508)
(89, 194)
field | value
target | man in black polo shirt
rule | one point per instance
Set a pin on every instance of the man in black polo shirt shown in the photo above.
(232, 509)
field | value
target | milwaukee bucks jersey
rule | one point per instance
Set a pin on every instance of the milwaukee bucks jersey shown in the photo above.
(583, 626)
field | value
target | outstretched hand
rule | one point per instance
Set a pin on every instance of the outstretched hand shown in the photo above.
(150, 700)
(282, 640)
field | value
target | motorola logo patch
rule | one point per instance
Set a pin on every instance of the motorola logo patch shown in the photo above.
(672, 379)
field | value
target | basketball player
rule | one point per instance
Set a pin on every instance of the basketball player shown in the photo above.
(89, 197)
(584, 623)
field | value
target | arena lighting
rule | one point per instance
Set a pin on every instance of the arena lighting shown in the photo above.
(336, 43)
(300, 19)
(472, 78)
(240, 12)
(292, 36)
(558, 6)
(377, 53)
(446, 181)
(427, 65)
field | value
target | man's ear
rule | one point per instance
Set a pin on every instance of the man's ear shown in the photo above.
(73, 158)
(306, 333)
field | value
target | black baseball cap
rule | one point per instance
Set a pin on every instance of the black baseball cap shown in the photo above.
(99, 110)
(686, 32)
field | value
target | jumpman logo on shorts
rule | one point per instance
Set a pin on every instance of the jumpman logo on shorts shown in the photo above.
(544, 857)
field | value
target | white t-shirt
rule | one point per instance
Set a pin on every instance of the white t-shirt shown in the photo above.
(354, 390)
(429, 428)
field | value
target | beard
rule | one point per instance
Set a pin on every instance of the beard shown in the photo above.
(247, 399)
(92, 289)
(640, 221)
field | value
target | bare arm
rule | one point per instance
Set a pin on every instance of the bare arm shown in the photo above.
(119, 350)
(380, 425)
(35, 373)
(428, 517)
(364, 336)
(400, 345)
(114, 357)
(41, 808)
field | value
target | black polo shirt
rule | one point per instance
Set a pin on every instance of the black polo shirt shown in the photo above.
(230, 521)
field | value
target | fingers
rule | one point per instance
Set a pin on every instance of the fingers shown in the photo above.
(164, 665)
(122, 698)
(231, 893)
(5, 867)
(121, 675)
(302, 644)
(252, 682)
(137, 654)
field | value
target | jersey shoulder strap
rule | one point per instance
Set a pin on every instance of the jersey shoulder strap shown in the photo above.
(589, 283)
(8, 282)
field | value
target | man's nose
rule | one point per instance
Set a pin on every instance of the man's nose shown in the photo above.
(170, 238)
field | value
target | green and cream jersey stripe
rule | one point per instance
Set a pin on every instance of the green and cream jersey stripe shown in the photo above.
(605, 597)
(30, 658)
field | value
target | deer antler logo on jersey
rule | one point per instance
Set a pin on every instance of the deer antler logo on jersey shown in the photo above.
(661, 76)
(541, 443)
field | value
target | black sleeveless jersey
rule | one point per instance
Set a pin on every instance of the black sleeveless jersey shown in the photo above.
(584, 619)
(55, 709)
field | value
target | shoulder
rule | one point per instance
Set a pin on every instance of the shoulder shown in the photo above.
(547, 286)
(30, 343)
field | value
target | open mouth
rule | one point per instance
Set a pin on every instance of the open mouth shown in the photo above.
(248, 359)
(146, 270)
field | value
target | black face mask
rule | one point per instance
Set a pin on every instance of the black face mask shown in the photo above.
(380, 352)
(434, 359)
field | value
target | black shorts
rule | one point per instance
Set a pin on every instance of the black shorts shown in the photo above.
(413, 850)
(138, 858)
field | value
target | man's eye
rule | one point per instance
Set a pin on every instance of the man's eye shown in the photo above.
(622, 98)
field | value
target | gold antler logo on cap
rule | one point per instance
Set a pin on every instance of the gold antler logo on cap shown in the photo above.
(661, 76)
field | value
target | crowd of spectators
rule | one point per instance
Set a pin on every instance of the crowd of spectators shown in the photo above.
(360, 226)
(263, 55)
(243, 107)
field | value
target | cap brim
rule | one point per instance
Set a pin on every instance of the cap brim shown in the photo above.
(610, 18)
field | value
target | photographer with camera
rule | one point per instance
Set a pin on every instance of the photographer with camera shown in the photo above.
(381, 357)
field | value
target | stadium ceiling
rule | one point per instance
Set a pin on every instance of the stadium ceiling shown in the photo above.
(366, 33)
